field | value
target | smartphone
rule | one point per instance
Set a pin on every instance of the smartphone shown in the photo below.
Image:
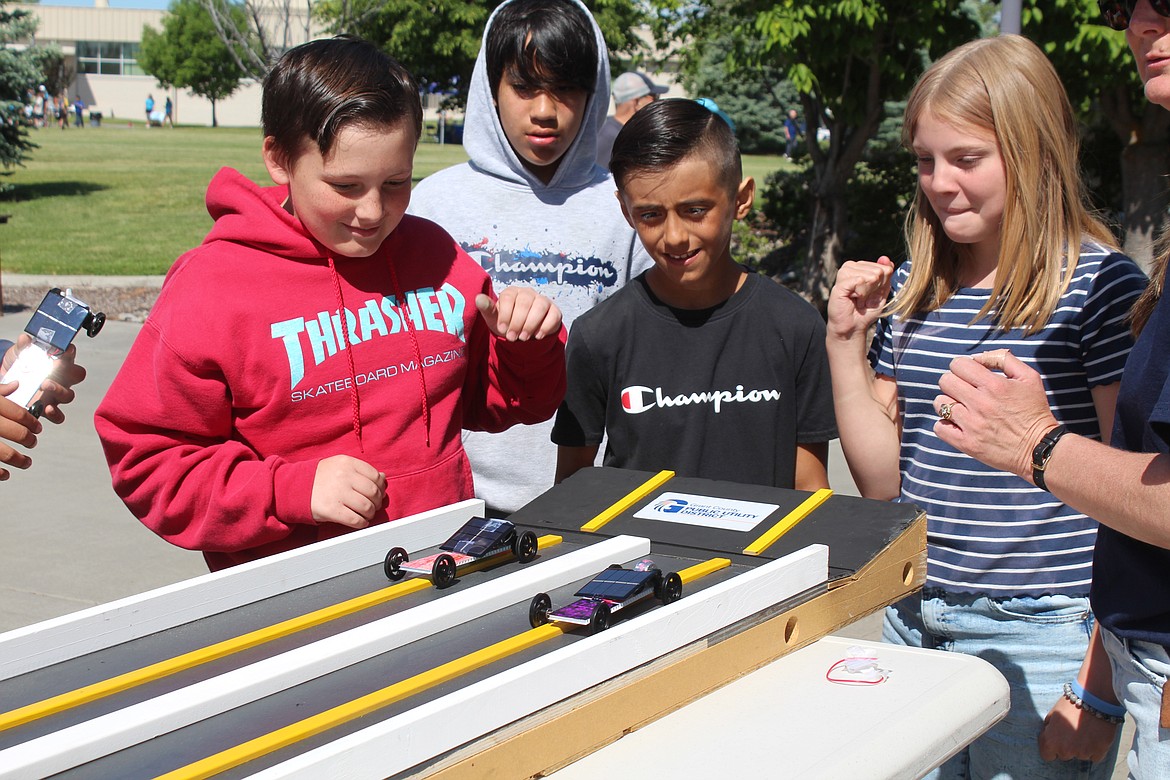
(53, 325)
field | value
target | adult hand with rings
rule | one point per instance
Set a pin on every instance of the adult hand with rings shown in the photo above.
(1005, 410)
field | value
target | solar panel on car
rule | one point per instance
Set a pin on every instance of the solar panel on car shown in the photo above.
(615, 584)
(477, 536)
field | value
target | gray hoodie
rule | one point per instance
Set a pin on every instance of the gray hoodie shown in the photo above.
(567, 239)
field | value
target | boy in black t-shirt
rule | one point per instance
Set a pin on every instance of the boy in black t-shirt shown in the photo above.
(697, 366)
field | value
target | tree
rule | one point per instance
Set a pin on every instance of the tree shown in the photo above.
(18, 73)
(56, 72)
(1098, 71)
(438, 40)
(847, 59)
(257, 32)
(751, 90)
(189, 53)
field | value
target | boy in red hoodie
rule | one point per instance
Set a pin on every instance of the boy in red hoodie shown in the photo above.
(309, 368)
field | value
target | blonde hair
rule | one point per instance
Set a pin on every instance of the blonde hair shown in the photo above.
(1008, 88)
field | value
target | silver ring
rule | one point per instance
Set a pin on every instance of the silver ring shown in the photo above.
(944, 411)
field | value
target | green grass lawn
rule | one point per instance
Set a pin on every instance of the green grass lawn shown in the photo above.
(126, 200)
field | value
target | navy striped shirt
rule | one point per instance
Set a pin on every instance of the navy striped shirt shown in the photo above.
(989, 531)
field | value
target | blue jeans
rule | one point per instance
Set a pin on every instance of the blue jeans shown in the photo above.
(1140, 670)
(1037, 644)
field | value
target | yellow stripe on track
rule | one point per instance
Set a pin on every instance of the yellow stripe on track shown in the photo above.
(343, 713)
(629, 500)
(295, 732)
(788, 522)
(146, 674)
(692, 573)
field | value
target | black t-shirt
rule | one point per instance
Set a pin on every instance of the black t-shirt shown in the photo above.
(721, 393)
(1131, 579)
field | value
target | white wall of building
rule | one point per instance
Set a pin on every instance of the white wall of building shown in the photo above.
(122, 98)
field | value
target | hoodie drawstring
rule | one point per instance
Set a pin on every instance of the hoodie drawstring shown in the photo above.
(355, 402)
(426, 409)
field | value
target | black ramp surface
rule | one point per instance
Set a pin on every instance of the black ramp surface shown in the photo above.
(855, 529)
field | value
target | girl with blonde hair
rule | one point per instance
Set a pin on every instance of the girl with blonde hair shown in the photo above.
(1001, 415)
(1003, 254)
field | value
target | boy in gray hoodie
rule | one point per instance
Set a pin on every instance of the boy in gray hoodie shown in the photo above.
(531, 205)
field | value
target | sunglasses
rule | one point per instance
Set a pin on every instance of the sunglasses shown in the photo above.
(1117, 13)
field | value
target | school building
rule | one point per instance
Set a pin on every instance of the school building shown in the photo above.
(101, 44)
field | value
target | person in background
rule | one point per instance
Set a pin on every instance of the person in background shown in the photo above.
(792, 134)
(631, 90)
(1003, 253)
(1000, 414)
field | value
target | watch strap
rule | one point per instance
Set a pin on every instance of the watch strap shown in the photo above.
(1042, 452)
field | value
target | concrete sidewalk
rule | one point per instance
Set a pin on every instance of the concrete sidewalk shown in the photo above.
(70, 543)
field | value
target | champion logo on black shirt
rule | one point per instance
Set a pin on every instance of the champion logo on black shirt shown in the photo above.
(639, 398)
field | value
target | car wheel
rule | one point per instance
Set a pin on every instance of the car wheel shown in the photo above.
(526, 547)
(538, 610)
(671, 588)
(93, 324)
(443, 573)
(599, 620)
(393, 563)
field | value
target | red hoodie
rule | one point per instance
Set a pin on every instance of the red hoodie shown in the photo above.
(240, 382)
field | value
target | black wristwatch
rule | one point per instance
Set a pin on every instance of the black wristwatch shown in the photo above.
(1042, 452)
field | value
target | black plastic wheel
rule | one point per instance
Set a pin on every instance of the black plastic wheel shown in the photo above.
(659, 581)
(37, 408)
(671, 588)
(614, 566)
(93, 324)
(538, 610)
(393, 563)
(443, 573)
(525, 547)
(599, 620)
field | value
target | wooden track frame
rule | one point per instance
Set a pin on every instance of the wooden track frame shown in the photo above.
(755, 629)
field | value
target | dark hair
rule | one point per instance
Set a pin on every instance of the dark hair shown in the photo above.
(666, 132)
(320, 87)
(548, 43)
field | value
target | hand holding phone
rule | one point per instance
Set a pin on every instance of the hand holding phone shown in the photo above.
(52, 327)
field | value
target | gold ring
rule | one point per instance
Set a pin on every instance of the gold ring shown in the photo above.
(944, 411)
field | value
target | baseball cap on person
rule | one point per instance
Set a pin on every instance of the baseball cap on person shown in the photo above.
(632, 85)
